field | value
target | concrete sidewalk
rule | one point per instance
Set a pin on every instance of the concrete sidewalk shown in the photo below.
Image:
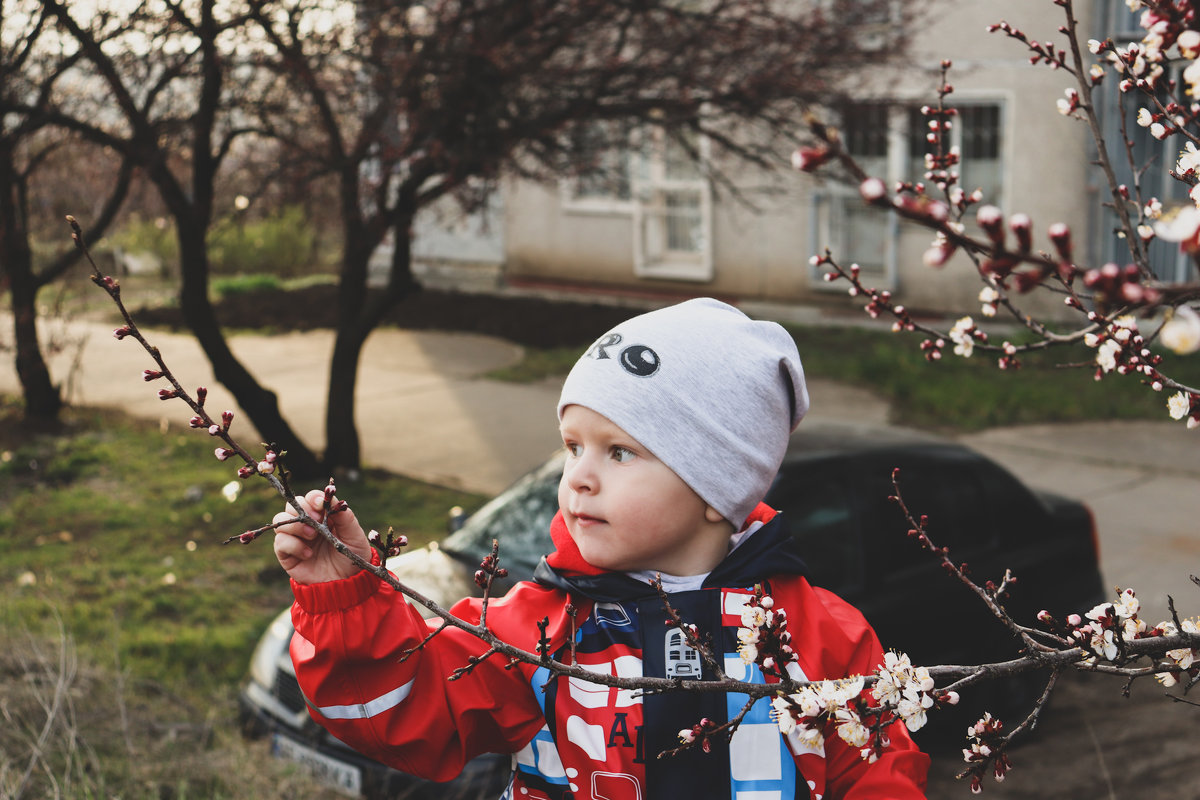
(423, 407)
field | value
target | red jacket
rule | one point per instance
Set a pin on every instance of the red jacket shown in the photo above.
(571, 738)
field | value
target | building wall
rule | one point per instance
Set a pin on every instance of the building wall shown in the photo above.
(763, 252)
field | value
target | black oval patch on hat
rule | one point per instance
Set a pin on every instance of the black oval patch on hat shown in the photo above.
(639, 360)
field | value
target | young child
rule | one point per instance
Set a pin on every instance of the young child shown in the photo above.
(675, 423)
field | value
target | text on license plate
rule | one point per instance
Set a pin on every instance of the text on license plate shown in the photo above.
(328, 770)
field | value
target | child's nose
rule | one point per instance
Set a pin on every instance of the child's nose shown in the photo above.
(581, 475)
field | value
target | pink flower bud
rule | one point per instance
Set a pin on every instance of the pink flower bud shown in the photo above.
(166, 394)
(1074, 619)
(214, 430)
(1021, 226)
(222, 453)
(122, 332)
(247, 537)
(266, 467)
(196, 422)
(245, 472)
(151, 374)
(872, 189)
(226, 418)
(989, 218)
(201, 395)
(270, 457)
(807, 159)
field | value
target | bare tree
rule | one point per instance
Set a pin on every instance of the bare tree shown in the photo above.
(172, 81)
(31, 71)
(442, 98)
(403, 104)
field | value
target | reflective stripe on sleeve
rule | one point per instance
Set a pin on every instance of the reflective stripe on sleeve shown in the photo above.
(368, 709)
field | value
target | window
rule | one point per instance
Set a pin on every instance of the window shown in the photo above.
(855, 232)
(658, 182)
(603, 181)
(977, 132)
(672, 210)
(889, 141)
(1151, 163)
(1118, 21)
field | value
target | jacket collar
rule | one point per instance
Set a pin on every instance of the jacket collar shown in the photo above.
(769, 551)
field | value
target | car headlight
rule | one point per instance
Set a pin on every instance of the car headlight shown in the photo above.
(264, 664)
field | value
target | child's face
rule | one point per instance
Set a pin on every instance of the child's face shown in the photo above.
(628, 511)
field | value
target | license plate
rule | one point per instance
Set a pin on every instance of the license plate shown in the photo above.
(341, 776)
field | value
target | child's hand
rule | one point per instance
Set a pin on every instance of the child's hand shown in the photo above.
(306, 555)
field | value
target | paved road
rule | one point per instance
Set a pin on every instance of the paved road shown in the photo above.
(425, 411)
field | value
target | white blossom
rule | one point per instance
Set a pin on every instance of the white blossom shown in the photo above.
(1178, 405)
(1189, 44)
(1106, 355)
(1191, 76)
(1181, 332)
(851, 730)
(1189, 158)
(988, 297)
(960, 334)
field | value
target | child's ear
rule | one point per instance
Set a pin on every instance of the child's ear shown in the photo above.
(712, 515)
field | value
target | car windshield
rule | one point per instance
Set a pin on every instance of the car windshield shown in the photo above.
(519, 518)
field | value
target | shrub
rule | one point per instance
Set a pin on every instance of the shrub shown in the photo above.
(281, 244)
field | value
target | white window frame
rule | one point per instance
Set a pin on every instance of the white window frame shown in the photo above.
(833, 197)
(598, 204)
(650, 220)
(647, 169)
(823, 215)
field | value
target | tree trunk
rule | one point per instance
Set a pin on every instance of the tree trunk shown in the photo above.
(260, 404)
(358, 315)
(42, 398)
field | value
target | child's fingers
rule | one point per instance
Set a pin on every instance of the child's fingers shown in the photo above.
(291, 550)
(297, 529)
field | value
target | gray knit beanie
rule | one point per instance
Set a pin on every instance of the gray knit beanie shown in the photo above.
(710, 392)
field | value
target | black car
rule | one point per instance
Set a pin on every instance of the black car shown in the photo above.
(834, 489)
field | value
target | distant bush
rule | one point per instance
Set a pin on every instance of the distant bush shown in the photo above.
(281, 244)
(231, 285)
(141, 235)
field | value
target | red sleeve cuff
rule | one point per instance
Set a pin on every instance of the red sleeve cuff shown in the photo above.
(322, 598)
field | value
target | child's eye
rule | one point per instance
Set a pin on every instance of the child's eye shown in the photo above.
(573, 448)
(622, 454)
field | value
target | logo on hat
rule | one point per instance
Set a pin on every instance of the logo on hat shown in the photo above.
(637, 359)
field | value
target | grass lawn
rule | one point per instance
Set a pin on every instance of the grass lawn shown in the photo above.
(110, 542)
(954, 394)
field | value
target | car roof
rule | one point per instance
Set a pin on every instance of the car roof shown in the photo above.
(822, 437)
